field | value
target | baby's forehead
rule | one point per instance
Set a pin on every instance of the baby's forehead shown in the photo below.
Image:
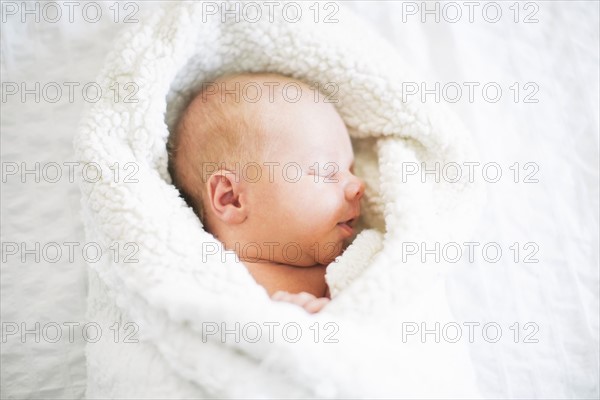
(268, 103)
(256, 89)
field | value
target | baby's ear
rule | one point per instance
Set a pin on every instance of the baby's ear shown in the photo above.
(223, 189)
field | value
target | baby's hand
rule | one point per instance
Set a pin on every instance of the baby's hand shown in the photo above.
(305, 300)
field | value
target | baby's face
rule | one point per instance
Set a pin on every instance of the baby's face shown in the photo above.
(304, 206)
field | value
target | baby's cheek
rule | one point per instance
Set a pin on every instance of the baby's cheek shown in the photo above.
(307, 209)
(322, 194)
(317, 207)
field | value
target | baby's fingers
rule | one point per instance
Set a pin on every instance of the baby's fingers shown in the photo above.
(300, 299)
(316, 305)
(279, 295)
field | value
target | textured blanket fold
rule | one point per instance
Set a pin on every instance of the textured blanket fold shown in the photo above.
(199, 314)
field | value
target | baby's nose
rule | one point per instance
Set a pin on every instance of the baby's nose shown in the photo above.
(355, 189)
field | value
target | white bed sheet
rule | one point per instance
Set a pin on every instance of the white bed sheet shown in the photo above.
(560, 213)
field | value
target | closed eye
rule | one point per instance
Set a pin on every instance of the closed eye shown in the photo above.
(325, 170)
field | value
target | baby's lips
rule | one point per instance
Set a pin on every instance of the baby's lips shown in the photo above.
(346, 228)
(351, 222)
(353, 218)
(348, 222)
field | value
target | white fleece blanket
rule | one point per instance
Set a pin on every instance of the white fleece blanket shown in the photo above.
(190, 304)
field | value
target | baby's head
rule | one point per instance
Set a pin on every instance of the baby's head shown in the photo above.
(267, 163)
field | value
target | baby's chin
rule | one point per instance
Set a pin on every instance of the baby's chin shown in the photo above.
(327, 252)
(310, 258)
(300, 251)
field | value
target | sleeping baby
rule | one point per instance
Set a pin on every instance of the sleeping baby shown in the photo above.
(267, 165)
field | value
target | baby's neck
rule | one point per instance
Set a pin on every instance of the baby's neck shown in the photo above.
(274, 277)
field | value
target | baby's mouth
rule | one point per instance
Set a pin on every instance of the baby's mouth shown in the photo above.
(347, 226)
